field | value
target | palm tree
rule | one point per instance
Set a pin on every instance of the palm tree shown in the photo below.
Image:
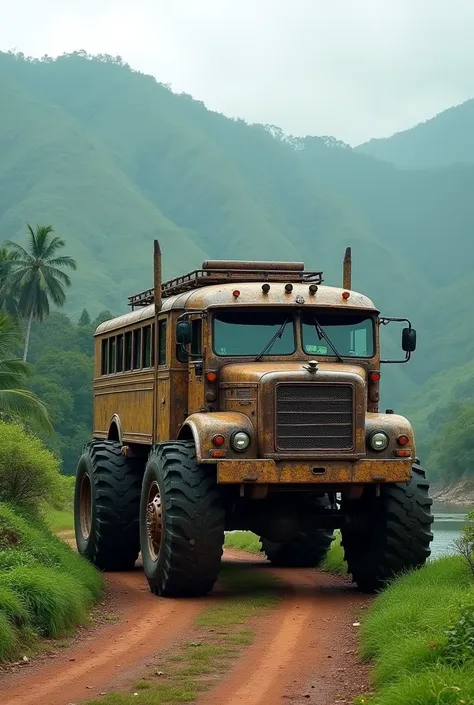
(15, 400)
(36, 273)
(8, 300)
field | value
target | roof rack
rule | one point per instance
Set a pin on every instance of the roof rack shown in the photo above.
(217, 272)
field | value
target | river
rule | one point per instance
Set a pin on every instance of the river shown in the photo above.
(446, 527)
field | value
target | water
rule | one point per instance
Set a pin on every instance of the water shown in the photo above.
(446, 527)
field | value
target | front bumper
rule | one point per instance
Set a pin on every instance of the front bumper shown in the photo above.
(325, 473)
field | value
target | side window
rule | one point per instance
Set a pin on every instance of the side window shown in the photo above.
(153, 353)
(104, 356)
(162, 343)
(137, 348)
(120, 353)
(146, 347)
(111, 355)
(128, 351)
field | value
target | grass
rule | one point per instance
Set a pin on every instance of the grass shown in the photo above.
(243, 541)
(60, 520)
(334, 561)
(45, 587)
(419, 634)
(218, 636)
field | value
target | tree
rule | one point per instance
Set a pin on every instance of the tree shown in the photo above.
(85, 319)
(8, 299)
(16, 401)
(37, 274)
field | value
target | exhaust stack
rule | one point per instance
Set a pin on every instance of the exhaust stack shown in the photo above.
(157, 276)
(347, 269)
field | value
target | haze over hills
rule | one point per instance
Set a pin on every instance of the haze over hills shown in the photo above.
(447, 138)
(113, 159)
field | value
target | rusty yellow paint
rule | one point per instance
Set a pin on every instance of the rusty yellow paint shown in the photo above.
(335, 473)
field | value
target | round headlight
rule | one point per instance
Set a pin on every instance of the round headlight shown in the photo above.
(379, 440)
(240, 441)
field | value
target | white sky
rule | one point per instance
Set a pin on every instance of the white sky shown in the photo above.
(353, 69)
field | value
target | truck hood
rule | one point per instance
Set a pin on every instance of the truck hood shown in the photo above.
(254, 372)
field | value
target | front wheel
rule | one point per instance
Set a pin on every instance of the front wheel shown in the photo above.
(181, 522)
(386, 535)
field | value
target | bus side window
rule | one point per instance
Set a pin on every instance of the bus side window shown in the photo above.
(146, 347)
(196, 342)
(162, 343)
(128, 351)
(137, 348)
(120, 353)
(112, 355)
(104, 356)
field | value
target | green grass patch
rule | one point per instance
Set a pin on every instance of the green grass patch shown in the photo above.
(60, 520)
(45, 587)
(334, 561)
(419, 633)
(243, 541)
(220, 633)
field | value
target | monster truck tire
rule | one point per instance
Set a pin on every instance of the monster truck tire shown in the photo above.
(307, 550)
(182, 522)
(106, 506)
(398, 537)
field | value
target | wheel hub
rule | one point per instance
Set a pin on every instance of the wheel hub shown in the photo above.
(85, 506)
(154, 520)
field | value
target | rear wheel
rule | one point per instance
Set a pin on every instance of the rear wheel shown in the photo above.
(385, 535)
(106, 506)
(181, 522)
(307, 550)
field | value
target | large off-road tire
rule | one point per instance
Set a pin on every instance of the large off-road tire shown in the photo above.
(182, 522)
(307, 550)
(106, 506)
(386, 535)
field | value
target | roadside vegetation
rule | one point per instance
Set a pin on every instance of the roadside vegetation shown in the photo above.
(46, 589)
(419, 634)
(219, 635)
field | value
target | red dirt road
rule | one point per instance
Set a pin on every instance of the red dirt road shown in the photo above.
(304, 652)
(111, 655)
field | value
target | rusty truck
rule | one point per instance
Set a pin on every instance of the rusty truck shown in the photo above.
(245, 396)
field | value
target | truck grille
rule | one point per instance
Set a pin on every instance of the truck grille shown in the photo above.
(314, 417)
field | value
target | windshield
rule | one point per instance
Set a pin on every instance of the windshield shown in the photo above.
(352, 334)
(247, 333)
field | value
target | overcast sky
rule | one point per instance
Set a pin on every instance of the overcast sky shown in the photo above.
(354, 69)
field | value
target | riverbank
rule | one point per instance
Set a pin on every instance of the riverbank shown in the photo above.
(417, 635)
(460, 494)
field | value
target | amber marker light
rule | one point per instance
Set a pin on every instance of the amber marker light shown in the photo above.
(218, 439)
(402, 440)
(211, 376)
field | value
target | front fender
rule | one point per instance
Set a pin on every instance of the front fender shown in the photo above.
(204, 426)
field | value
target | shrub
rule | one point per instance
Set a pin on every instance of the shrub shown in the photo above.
(29, 473)
(45, 587)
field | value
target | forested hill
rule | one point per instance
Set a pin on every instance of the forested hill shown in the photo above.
(113, 159)
(447, 138)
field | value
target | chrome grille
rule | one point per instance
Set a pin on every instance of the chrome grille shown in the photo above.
(314, 417)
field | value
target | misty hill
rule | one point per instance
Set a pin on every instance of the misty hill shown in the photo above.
(114, 159)
(446, 139)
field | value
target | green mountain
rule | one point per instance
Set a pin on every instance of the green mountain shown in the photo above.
(446, 139)
(113, 159)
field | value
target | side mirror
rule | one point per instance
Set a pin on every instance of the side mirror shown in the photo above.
(183, 333)
(409, 340)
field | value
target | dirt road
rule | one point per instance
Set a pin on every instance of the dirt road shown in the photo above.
(305, 650)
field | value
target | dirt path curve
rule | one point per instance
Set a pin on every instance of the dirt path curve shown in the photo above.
(305, 651)
(110, 655)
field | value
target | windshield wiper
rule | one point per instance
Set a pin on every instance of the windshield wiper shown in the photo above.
(322, 335)
(278, 334)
